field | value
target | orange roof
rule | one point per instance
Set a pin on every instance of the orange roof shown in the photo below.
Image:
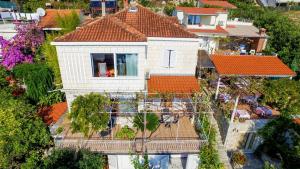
(250, 65)
(172, 84)
(53, 113)
(218, 30)
(126, 26)
(203, 11)
(49, 20)
(296, 121)
(223, 4)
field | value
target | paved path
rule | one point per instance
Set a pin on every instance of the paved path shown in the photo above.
(220, 147)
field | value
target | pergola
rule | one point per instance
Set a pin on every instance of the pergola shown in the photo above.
(249, 66)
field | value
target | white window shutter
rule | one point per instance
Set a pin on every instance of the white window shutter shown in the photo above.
(173, 59)
(165, 60)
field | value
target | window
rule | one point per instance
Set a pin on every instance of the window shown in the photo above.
(103, 65)
(110, 65)
(127, 64)
(169, 58)
(194, 19)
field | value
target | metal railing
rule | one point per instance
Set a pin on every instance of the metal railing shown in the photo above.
(185, 145)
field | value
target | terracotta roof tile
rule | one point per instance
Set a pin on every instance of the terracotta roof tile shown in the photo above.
(203, 11)
(107, 29)
(126, 26)
(49, 20)
(218, 30)
(250, 65)
(223, 4)
(172, 84)
(53, 113)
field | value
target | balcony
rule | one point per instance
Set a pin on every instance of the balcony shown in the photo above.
(182, 135)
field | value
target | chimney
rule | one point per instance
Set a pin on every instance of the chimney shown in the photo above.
(125, 3)
(103, 7)
(133, 6)
(262, 31)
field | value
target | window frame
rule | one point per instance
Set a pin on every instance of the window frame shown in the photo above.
(115, 67)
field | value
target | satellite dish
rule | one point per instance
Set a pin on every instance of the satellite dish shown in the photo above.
(41, 12)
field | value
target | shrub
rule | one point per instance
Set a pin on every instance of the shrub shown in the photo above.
(125, 133)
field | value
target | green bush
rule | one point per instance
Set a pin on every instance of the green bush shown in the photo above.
(37, 78)
(152, 121)
(52, 98)
(125, 133)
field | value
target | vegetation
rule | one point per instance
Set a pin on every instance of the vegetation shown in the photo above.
(68, 22)
(36, 77)
(282, 141)
(52, 98)
(267, 165)
(208, 153)
(169, 8)
(67, 158)
(284, 35)
(22, 132)
(152, 121)
(32, 5)
(238, 158)
(89, 113)
(137, 164)
(283, 94)
(125, 133)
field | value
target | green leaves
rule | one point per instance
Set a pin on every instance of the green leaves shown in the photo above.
(68, 23)
(125, 133)
(22, 132)
(283, 94)
(152, 121)
(70, 158)
(89, 113)
(37, 78)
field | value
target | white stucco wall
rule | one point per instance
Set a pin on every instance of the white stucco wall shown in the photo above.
(186, 56)
(76, 69)
(237, 130)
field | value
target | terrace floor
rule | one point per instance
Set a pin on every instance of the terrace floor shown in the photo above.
(183, 129)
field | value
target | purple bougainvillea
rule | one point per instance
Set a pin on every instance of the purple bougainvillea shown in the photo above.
(21, 48)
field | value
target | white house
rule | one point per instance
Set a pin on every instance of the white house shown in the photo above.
(133, 51)
(213, 24)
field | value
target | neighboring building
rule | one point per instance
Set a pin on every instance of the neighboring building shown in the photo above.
(7, 6)
(111, 6)
(212, 3)
(247, 116)
(212, 24)
(275, 3)
(49, 21)
(134, 51)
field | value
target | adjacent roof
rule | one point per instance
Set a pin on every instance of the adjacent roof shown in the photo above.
(53, 113)
(172, 84)
(218, 30)
(126, 26)
(244, 31)
(250, 65)
(49, 20)
(223, 4)
(201, 11)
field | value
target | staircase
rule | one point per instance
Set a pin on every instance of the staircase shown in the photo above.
(221, 149)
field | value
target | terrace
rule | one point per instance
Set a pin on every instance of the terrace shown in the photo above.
(178, 131)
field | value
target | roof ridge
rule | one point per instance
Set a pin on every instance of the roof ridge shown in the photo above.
(168, 20)
(127, 28)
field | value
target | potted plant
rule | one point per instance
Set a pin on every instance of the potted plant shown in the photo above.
(125, 133)
(238, 159)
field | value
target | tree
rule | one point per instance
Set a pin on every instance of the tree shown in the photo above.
(89, 113)
(68, 23)
(283, 94)
(22, 47)
(22, 132)
(152, 122)
(282, 140)
(69, 158)
(32, 5)
(169, 8)
(38, 79)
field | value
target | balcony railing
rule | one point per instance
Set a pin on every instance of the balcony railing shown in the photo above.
(184, 145)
